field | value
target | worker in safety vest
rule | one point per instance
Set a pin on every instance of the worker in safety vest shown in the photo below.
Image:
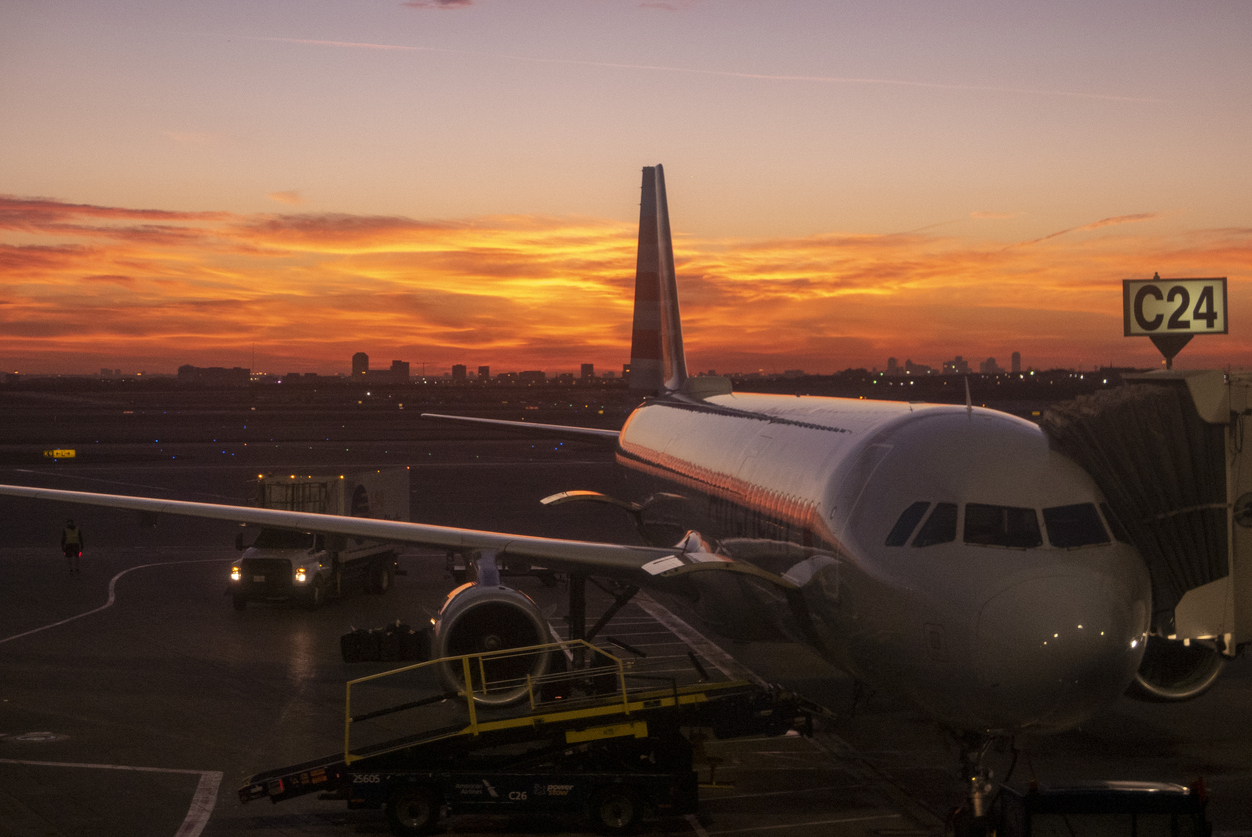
(72, 545)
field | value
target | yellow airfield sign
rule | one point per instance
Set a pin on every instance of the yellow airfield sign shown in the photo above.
(1171, 311)
(61, 453)
(1174, 306)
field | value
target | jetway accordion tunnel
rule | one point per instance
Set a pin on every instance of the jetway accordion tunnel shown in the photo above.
(1163, 470)
(1167, 450)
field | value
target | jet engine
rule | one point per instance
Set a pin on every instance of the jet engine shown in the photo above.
(480, 618)
(1172, 672)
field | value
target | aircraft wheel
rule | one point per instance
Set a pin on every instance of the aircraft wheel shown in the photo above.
(317, 594)
(616, 809)
(412, 810)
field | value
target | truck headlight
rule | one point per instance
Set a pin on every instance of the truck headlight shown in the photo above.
(300, 575)
(235, 574)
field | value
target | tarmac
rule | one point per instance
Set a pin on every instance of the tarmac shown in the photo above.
(134, 700)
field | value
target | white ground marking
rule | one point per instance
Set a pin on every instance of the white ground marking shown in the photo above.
(112, 596)
(696, 827)
(725, 663)
(732, 668)
(805, 824)
(201, 803)
(794, 792)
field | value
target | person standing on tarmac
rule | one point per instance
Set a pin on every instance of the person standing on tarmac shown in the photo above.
(72, 545)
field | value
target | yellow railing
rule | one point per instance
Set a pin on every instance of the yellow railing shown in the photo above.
(480, 689)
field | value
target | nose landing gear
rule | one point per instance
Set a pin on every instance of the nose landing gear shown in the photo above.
(974, 818)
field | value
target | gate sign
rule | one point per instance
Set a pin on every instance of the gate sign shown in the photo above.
(1180, 307)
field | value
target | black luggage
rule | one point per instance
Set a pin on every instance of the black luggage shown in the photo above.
(360, 646)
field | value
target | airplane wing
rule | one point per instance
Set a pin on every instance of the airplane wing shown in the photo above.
(640, 564)
(559, 431)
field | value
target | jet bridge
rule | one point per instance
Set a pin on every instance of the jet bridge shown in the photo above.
(1167, 450)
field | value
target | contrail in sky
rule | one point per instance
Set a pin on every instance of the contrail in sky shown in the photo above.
(722, 73)
(1095, 225)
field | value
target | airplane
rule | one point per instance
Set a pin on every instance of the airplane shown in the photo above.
(944, 554)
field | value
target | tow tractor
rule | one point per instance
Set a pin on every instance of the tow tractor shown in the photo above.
(592, 736)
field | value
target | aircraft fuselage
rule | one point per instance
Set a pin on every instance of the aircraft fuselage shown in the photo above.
(942, 553)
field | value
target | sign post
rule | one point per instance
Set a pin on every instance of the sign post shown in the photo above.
(1172, 311)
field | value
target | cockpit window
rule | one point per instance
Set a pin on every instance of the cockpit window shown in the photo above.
(1115, 523)
(1073, 526)
(1001, 526)
(940, 527)
(907, 523)
(283, 539)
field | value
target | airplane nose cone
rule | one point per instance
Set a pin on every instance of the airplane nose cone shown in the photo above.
(1051, 651)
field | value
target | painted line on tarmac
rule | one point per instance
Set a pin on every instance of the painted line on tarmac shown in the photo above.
(201, 803)
(837, 747)
(112, 596)
(712, 652)
(695, 826)
(757, 828)
(80, 478)
(792, 792)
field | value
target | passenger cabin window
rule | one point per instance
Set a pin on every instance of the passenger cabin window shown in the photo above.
(940, 527)
(1001, 526)
(1070, 527)
(908, 521)
(1115, 523)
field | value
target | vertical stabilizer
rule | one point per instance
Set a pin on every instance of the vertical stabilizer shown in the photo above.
(657, 363)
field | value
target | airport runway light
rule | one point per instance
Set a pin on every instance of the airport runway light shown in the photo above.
(235, 574)
(300, 575)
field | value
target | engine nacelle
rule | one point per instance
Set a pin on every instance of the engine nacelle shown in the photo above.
(1172, 672)
(479, 619)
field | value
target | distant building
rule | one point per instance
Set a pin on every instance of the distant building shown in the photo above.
(484, 373)
(610, 374)
(990, 367)
(534, 376)
(911, 368)
(400, 371)
(360, 364)
(565, 377)
(235, 376)
(1017, 362)
(892, 368)
(588, 371)
(957, 366)
(458, 371)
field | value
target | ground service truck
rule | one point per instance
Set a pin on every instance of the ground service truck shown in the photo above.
(308, 567)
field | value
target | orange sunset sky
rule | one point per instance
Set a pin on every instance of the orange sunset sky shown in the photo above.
(281, 184)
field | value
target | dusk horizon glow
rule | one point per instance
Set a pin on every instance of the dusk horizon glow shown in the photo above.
(281, 186)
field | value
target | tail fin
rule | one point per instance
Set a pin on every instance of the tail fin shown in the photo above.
(657, 362)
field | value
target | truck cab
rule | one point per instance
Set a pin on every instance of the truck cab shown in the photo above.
(309, 567)
(285, 565)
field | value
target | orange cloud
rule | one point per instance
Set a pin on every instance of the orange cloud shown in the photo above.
(87, 286)
(291, 197)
